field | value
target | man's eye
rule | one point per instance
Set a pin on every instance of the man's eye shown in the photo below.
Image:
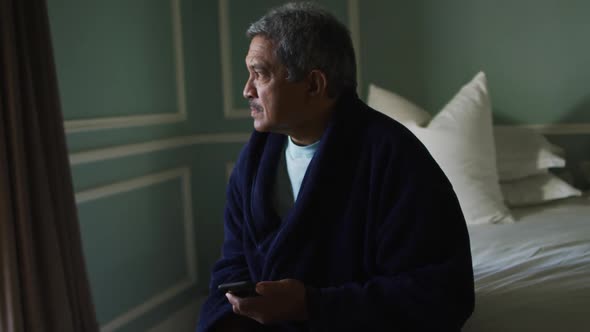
(260, 74)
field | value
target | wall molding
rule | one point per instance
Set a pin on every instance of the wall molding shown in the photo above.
(141, 309)
(556, 129)
(229, 109)
(100, 123)
(354, 24)
(185, 319)
(89, 156)
(141, 182)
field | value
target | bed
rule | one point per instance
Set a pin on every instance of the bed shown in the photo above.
(529, 227)
(534, 274)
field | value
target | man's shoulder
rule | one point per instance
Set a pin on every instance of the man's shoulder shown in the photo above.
(392, 144)
(381, 129)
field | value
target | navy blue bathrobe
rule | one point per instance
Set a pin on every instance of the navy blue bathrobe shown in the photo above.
(376, 233)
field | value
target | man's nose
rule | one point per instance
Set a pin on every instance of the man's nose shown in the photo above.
(249, 90)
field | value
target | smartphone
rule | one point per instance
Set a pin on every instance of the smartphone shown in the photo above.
(240, 288)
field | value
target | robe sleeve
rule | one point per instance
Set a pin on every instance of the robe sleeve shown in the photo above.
(231, 267)
(423, 279)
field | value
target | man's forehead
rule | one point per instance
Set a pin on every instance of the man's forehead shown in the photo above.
(261, 44)
(255, 60)
(260, 50)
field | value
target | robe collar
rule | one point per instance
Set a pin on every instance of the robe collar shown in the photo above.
(323, 190)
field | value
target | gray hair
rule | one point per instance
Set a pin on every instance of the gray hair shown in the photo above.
(308, 37)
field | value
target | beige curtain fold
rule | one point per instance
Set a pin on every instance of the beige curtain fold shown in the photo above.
(43, 281)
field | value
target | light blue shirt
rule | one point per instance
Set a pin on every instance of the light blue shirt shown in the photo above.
(298, 158)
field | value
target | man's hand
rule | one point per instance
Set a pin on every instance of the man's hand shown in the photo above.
(282, 300)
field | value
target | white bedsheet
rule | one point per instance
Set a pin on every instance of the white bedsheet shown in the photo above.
(534, 275)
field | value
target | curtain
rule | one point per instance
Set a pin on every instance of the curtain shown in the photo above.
(43, 281)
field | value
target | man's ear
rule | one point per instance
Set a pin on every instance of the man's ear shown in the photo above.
(317, 83)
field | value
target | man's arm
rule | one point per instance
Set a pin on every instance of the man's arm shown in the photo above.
(424, 280)
(433, 291)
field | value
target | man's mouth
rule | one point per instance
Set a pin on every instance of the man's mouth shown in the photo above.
(254, 108)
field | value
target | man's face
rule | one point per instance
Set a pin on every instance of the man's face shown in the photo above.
(276, 105)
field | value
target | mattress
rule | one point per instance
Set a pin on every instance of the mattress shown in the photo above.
(534, 275)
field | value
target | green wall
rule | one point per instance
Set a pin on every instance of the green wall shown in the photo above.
(150, 196)
(535, 55)
(120, 58)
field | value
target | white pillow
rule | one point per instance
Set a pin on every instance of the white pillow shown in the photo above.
(396, 107)
(522, 152)
(460, 139)
(537, 189)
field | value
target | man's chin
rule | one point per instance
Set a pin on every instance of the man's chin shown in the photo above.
(269, 127)
(261, 127)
